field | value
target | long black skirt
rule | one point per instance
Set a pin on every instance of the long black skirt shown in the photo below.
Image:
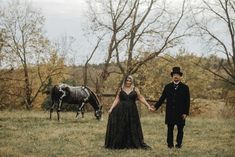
(124, 128)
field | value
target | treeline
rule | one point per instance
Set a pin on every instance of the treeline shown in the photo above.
(136, 40)
(150, 79)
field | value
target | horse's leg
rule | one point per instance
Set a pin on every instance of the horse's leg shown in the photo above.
(59, 109)
(51, 110)
(60, 103)
(77, 113)
(58, 115)
(82, 110)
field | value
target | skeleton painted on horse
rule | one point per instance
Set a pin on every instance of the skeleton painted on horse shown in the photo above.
(79, 95)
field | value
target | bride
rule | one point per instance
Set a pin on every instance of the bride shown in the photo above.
(124, 127)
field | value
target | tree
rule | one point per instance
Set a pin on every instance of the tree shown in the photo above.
(219, 13)
(87, 62)
(132, 28)
(26, 48)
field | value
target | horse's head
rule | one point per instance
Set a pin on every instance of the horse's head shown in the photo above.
(93, 100)
(98, 113)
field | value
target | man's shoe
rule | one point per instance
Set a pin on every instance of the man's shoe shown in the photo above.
(170, 146)
(178, 146)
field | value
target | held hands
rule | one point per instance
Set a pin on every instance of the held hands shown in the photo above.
(151, 108)
(154, 107)
(184, 116)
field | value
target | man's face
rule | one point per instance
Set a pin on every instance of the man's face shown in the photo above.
(176, 77)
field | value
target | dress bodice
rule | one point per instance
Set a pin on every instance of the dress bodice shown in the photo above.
(132, 96)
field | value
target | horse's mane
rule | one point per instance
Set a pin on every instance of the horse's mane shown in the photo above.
(94, 95)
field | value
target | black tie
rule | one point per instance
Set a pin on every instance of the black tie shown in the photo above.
(175, 86)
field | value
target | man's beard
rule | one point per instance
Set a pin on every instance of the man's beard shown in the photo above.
(176, 81)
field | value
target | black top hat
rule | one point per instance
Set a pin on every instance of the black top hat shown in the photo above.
(176, 70)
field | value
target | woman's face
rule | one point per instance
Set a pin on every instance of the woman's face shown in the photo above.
(128, 82)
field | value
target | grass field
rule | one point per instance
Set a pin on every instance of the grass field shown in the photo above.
(24, 133)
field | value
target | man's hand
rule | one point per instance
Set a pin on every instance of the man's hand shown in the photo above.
(151, 108)
(184, 116)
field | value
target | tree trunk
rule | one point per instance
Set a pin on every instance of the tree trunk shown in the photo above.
(28, 91)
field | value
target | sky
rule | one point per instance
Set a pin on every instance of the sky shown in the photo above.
(68, 18)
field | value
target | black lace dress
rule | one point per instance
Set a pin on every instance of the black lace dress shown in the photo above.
(124, 128)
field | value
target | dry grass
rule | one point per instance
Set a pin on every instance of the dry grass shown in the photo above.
(24, 133)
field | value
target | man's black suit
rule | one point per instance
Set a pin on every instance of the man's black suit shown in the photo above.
(177, 103)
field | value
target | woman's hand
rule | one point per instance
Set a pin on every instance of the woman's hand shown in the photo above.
(150, 108)
(110, 111)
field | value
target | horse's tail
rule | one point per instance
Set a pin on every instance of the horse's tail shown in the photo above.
(53, 99)
(53, 94)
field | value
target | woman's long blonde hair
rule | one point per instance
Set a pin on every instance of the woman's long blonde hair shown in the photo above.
(132, 81)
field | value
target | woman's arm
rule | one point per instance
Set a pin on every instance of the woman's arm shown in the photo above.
(142, 99)
(161, 99)
(115, 102)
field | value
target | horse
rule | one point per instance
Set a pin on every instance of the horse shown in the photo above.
(79, 95)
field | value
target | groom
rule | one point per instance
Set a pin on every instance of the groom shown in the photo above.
(177, 98)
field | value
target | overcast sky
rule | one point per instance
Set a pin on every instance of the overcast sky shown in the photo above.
(62, 16)
(67, 17)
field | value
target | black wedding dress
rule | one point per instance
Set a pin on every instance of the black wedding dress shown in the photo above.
(124, 128)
